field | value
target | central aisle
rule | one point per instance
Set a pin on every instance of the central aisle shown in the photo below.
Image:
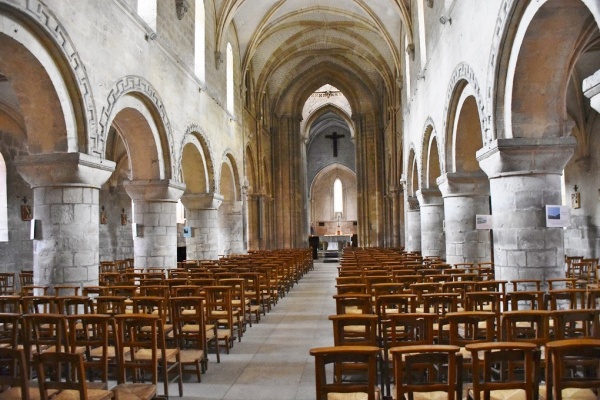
(272, 361)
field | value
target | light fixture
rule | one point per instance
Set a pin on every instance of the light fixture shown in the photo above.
(443, 20)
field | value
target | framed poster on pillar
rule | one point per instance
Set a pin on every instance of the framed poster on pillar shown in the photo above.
(557, 216)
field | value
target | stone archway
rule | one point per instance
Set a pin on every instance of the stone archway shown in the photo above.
(230, 218)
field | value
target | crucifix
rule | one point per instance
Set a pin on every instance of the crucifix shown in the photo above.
(335, 138)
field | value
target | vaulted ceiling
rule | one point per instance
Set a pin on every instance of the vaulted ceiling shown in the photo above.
(282, 40)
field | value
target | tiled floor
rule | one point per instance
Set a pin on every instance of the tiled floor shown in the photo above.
(272, 361)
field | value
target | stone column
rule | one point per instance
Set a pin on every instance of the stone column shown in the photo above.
(413, 224)
(465, 195)
(66, 189)
(203, 219)
(433, 242)
(591, 89)
(525, 176)
(155, 236)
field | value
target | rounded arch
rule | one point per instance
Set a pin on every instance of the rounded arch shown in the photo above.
(136, 94)
(322, 189)
(463, 85)
(229, 179)
(35, 44)
(251, 170)
(463, 127)
(529, 76)
(196, 137)
(431, 165)
(412, 178)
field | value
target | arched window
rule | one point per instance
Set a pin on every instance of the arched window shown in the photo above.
(146, 9)
(3, 202)
(229, 78)
(422, 42)
(199, 41)
(338, 196)
(180, 212)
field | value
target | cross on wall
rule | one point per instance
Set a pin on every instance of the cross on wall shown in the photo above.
(334, 136)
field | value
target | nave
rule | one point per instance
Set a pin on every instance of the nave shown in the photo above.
(272, 361)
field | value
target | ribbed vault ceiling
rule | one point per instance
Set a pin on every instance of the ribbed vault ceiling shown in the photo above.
(283, 40)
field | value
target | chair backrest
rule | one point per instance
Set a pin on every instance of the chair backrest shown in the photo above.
(526, 326)
(61, 371)
(406, 329)
(524, 300)
(10, 329)
(39, 304)
(189, 327)
(42, 331)
(573, 363)
(11, 304)
(13, 370)
(7, 283)
(353, 303)
(494, 368)
(354, 329)
(110, 305)
(578, 323)
(91, 332)
(443, 364)
(566, 299)
(471, 327)
(137, 332)
(328, 382)
(71, 305)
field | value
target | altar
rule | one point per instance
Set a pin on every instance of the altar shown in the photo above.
(335, 242)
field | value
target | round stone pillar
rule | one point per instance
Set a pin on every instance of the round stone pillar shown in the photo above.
(433, 243)
(155, 218)
(525, 176)
(413, 224)
(202, 217)
(465, 195)
(66, 188)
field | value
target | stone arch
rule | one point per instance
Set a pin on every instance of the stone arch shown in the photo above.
(199, 148)
(412, 178)
(463, 129)
(229, 179)
(431, 167)
(321, 193)
(134, 101)
(463, 87)
(529, 76)
(251, 170)
(39, 46)
(328, 108)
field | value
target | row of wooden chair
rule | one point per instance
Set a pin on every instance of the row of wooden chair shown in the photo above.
(502, 370)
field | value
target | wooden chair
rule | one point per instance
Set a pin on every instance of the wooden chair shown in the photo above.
(44, 333)
(427, 371)
(72, 305)
(573, 369)
(404, 329)
(328, 385)
(13, 376)
(65, 373)
(496, 366)
(90, 333)
(111, 305)
(469, 327)
(142, 336)
(39, 304)
(191, 335)
(524, 300)
(220, 312)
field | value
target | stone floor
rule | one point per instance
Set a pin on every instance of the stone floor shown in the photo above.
(272, 361)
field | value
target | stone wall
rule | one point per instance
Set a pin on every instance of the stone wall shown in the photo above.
(17, 253)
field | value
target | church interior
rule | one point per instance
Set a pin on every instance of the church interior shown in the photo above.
(141, 139)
